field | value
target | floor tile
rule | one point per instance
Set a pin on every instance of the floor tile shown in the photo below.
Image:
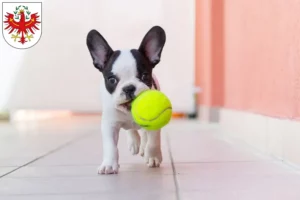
(237, 180)
(207, 146)
(24, 142)
(85, 171)
(248, 194)
(208, 165)
(88, 151)
(4, 170)
(105, 196)
(124, 182)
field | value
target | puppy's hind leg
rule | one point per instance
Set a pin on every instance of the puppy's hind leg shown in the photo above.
(133, 141)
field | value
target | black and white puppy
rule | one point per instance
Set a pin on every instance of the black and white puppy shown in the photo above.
(126, 74)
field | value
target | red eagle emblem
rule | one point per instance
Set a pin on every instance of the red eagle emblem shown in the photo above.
(24, 26)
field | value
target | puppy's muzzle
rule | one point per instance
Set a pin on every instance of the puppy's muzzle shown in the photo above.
(129, 91)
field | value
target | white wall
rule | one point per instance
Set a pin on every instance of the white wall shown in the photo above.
(57, 73)
(10, 62)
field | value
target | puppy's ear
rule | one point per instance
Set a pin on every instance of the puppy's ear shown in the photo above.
(99, 49)
(152, 44)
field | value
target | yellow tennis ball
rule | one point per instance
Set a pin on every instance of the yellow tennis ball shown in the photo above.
(152, 110)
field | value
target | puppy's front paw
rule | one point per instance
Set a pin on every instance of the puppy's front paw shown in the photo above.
(142, 150)
(153, 156)
(108, 168)
(133, 148)
(134, 142)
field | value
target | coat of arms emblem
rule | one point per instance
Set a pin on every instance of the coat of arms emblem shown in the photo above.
(22, 24)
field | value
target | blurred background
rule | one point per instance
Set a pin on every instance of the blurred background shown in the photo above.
(58, 74)
(236, 63)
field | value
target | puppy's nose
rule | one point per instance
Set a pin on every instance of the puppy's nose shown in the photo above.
(129, 89)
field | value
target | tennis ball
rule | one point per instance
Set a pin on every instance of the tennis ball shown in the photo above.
(151, 110)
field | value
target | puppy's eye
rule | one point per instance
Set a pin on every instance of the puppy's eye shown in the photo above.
(145, 77)
(112, 80)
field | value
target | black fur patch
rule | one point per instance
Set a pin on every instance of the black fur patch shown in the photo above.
(107, 72)
(154, 84)
(144, 68)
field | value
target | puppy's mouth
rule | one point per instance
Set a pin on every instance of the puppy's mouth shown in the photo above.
(126, 105)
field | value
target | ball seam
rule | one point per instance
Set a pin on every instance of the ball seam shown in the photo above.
(149, 120)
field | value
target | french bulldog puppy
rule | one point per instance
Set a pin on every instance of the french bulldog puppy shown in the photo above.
(126, 74)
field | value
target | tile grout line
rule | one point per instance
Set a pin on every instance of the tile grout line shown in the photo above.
(46, 154)
(178, 196)
(179, 162)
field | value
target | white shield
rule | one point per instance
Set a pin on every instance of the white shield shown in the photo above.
(22, 23)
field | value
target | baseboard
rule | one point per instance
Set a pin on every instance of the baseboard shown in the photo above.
(33, 115)
(277, 137)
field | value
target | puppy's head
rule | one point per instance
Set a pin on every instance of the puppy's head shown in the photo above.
(127, 73)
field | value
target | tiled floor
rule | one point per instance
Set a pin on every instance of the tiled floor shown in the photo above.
(58, 159)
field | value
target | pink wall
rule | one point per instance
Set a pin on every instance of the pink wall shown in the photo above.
(248, 55)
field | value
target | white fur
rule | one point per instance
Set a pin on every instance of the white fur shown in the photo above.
(125, 68)
(115, 117)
